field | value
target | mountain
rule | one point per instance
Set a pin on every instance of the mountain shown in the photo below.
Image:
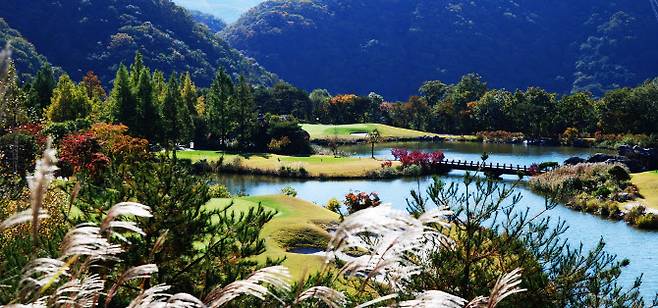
(82, 35)
(214, 24)
(391, 46)
(25, 56)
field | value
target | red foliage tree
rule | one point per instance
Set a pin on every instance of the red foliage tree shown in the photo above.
(361, 201)
(82, 152)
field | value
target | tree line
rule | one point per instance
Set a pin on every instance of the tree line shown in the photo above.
(169, 111)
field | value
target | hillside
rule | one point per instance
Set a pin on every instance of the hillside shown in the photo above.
(391, 46)
(25, 56)
(82, 35)
(214, 24)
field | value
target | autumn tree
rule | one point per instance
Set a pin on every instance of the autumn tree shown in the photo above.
(69, 101)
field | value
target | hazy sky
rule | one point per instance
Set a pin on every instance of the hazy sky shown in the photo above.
(228, 10)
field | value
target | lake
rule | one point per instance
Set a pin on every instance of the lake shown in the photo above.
(639, 246)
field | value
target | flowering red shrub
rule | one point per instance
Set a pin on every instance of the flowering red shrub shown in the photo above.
(360, 201)
(418, 158)
(115, 143)
(33, 129)
(533, 169)
(387, 164)
(82, 152)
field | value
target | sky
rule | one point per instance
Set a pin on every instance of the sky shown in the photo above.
(228, 10)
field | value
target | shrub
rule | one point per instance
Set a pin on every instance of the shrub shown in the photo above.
(289, 191)
(218, 191)
(61, 129)
(570, 136)
(360, 200)
(334, 205)
(18, 151)
(416, 158)
(647, 221)
(82, 152)
(501, 136)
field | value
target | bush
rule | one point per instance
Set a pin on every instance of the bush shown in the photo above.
(289, 191)
(218, 191)
(17, 153)
(360, 200)
(647, 221)
(501, 136)
(61, 129)
(334, 205)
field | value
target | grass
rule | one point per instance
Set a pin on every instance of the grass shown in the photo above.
(297, 224)
(316, 165)
(647, 183)
(387, 132)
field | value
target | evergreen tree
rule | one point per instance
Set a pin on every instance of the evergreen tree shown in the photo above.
(244, 111)
(148, 117)
(218, 115)
(41, 90)
(176, 118)
(69, 101)
(123, 101)
(13, 110)
(136, 69)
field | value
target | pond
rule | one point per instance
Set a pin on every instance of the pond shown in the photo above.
(640, 247)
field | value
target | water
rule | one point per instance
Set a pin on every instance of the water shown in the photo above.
(640, 247)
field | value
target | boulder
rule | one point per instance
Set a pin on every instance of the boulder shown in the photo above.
(634, 165)
(574, 161)
(601, 158)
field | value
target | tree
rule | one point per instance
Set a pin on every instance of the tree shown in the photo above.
(41, 90)
(123, 101)
(69, 101)
(93, 86)
(319, 98)
(489, 112)
(176, 118)
(13, 109)
(374, 137)
(148, 124)
(218, 115)
(244, 111)
(374, 111)
(433, 91)
(576, 111)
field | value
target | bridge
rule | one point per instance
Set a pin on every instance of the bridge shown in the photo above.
(491, 169)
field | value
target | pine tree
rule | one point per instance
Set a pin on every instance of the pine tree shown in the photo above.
(13, 109)
(69, 101)
(244, 111)
(176, 119)
(136, 69)
(218, 115)
(41, 90)
(123, 101)
(148, 115)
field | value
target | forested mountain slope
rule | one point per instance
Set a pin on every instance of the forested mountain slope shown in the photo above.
(25, 56)
(391, 46)
(82, 35)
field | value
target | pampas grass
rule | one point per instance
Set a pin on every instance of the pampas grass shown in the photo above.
(393, 242)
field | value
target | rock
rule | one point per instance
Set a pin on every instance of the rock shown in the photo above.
(574, 161)
(634, 165)
(601, 158)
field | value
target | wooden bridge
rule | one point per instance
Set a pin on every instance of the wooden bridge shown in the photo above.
(490, 169)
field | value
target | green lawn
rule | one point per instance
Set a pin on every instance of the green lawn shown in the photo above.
(316, 165)
(647, 183)
(297, 224)
(347, 131)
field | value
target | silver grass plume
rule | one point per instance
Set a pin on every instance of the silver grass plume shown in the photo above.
(44, 173)
(86, 240)
(80, 292)
(506, 285)
(39, 273)
(138, 272)
(394, 242)
(156, 296)
(329, 296)
(277, 277)
(110, 222)
(434, 299)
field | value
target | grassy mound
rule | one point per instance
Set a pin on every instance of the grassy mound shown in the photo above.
(316, 165)
(647, 184)
(297, 224)
(356, 131)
